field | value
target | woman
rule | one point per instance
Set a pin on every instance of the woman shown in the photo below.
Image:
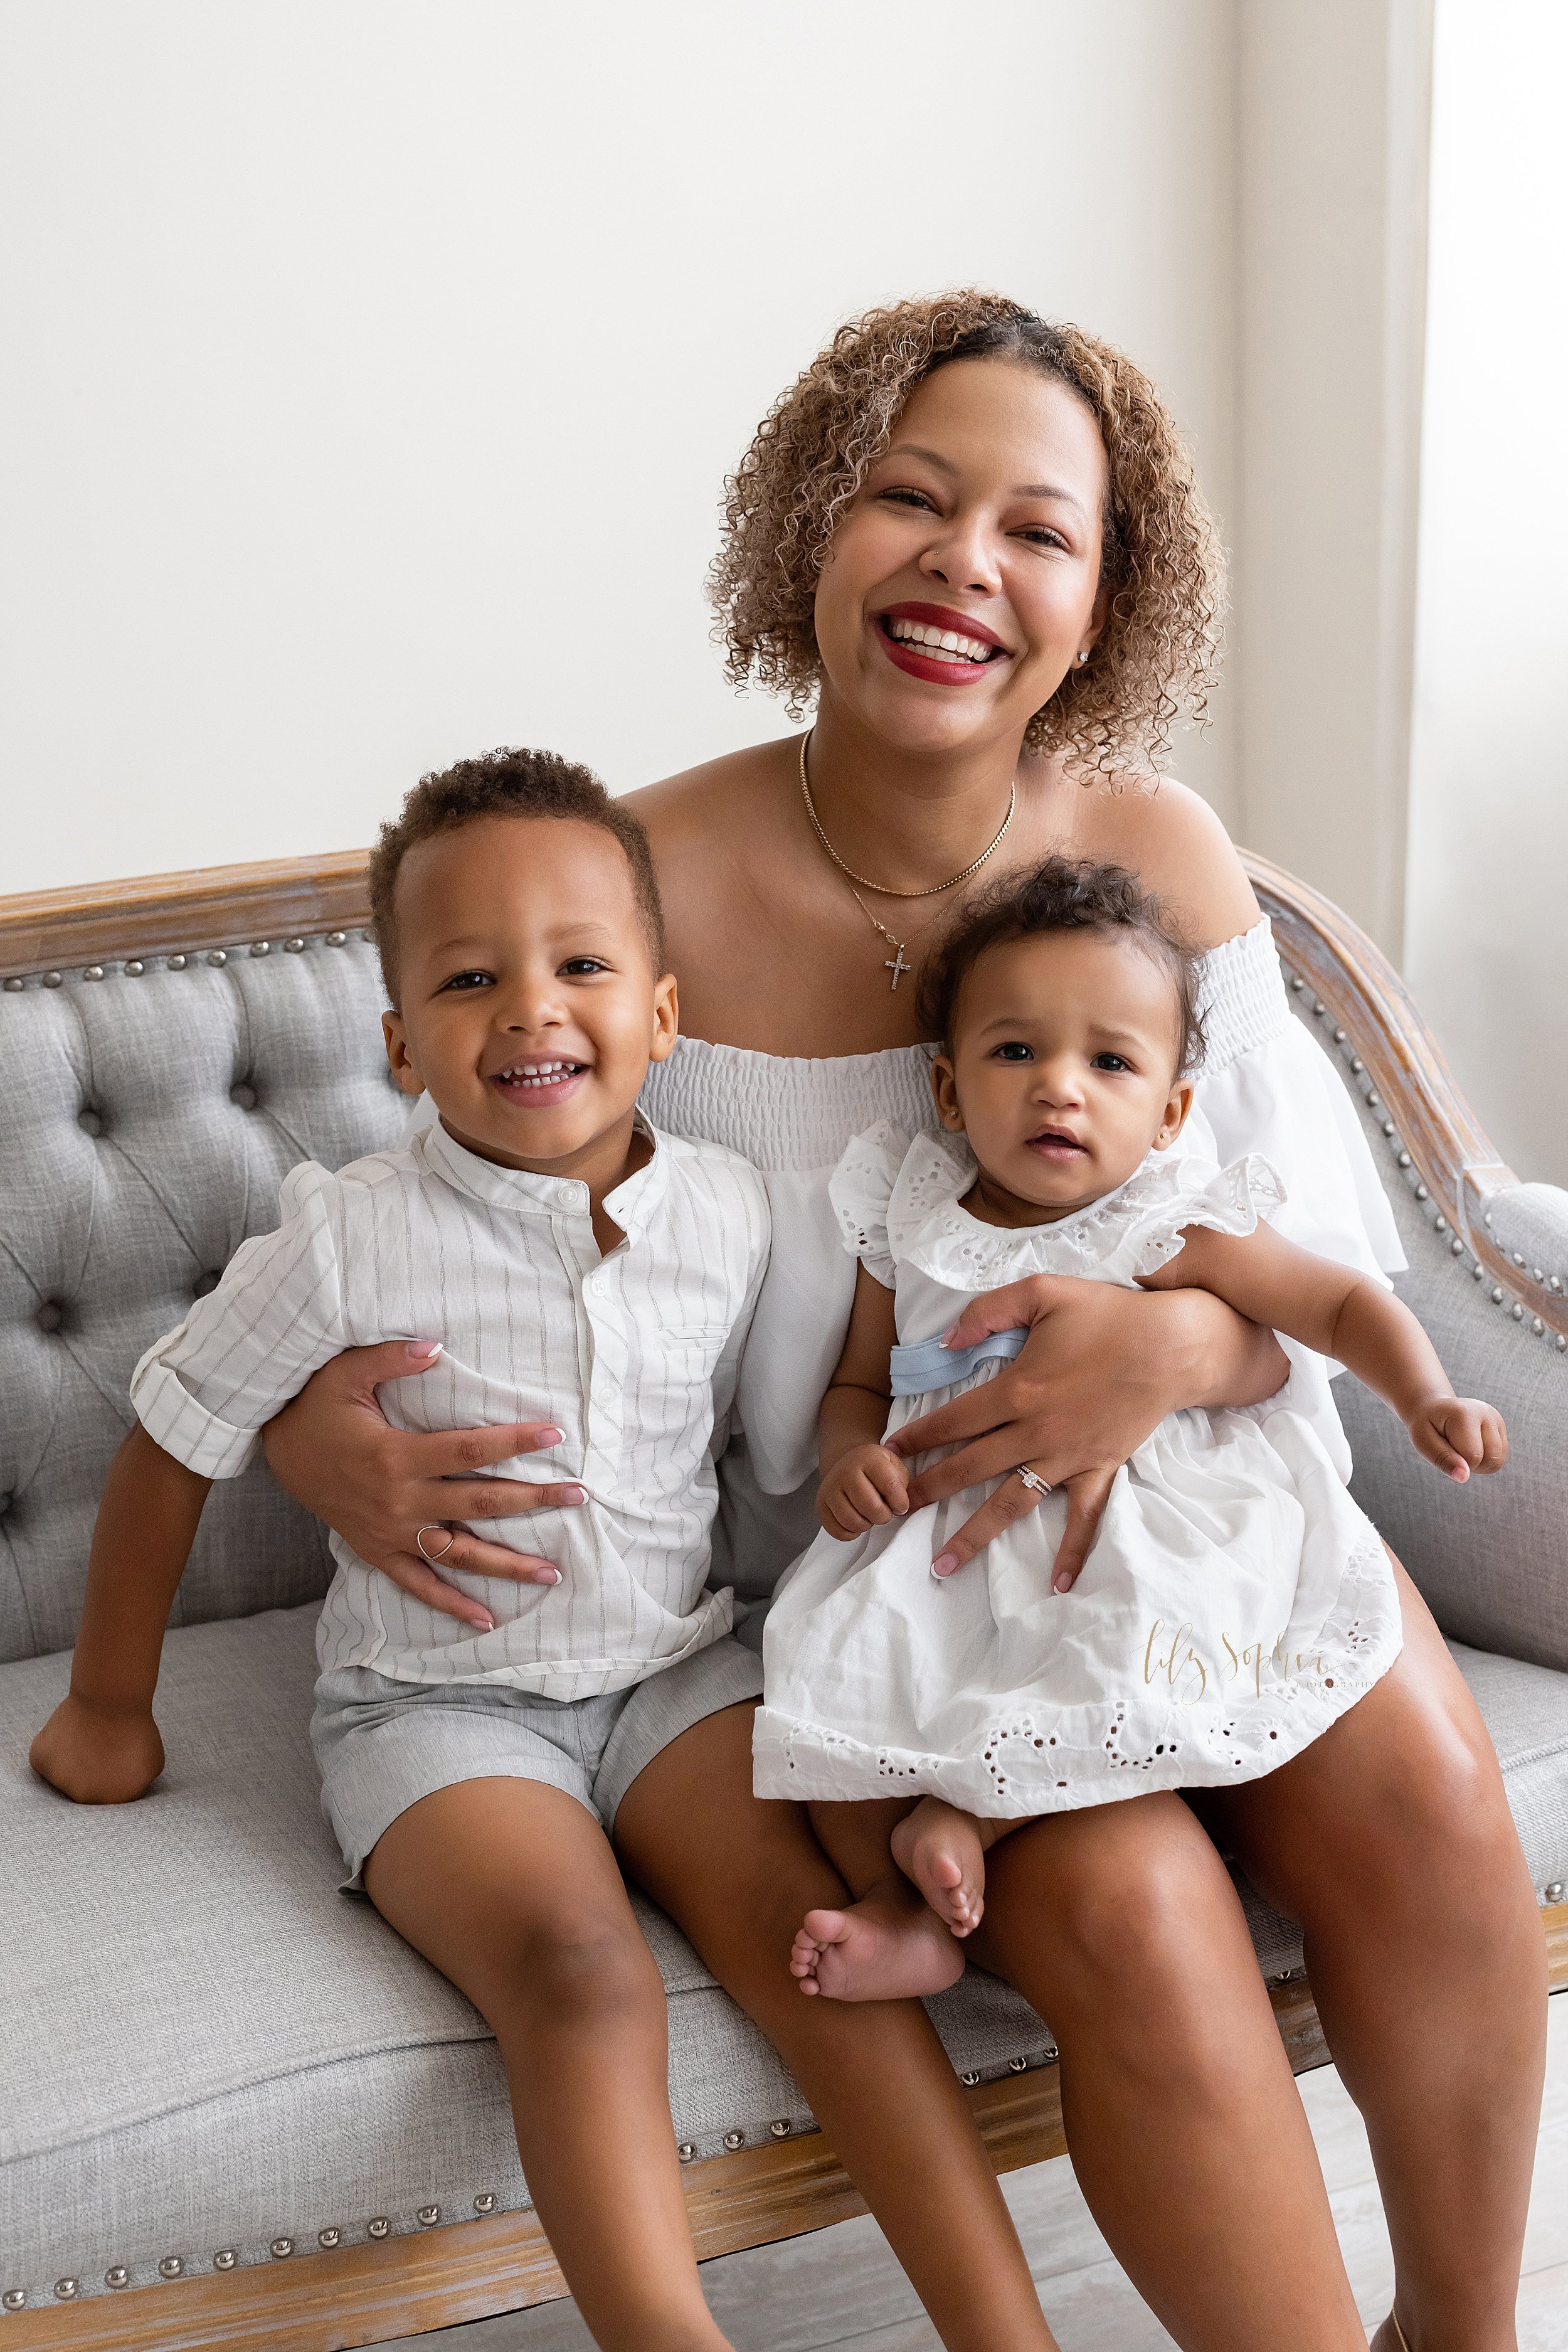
(974, 539)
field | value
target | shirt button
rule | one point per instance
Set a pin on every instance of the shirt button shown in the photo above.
(566, 1194)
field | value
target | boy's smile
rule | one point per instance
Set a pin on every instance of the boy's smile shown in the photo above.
(530, 1006)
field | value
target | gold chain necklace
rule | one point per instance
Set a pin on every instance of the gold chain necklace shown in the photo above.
(896, 964)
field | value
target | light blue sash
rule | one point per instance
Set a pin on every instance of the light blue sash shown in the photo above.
(917, 1370)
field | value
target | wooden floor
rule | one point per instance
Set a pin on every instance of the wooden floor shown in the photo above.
(842, 2288)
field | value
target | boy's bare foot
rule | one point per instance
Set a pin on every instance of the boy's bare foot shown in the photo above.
(887, 1947)
(942, 1851)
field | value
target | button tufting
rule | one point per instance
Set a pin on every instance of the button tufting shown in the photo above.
(90, 1121)
(204, 1284)
(6, 1503)
(50, 1315)
(243, 1096)
(225, 2258)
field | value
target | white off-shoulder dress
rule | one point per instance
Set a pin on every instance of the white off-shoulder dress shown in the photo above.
(1267, 1086)
(1235, 1601)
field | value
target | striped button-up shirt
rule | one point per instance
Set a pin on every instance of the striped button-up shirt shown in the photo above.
(634, 1355)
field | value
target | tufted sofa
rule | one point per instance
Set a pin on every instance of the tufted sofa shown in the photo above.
(234, 2107)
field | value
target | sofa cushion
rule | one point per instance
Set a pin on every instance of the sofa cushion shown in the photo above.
(207, 2045)
(148, 1122)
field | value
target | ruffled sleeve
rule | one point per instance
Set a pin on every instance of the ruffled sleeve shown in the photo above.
(1235, 1201)
(861, 1189)
(1268, 1086)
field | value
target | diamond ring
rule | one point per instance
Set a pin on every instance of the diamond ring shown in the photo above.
(1036, 1484)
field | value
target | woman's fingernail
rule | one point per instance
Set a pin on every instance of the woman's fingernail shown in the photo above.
(550, 1436)
(551, 1576)
(948, 1336)
(424, 1351)
(572, 1495)
(484, 1624)
(1062, 1584)
(944, 1564)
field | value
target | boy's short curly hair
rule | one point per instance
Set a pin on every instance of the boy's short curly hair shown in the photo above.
(1065, 894)
(1154, 660)
(508, 783)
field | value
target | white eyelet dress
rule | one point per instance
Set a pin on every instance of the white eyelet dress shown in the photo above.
(1235, 1601)
(1267, 1086)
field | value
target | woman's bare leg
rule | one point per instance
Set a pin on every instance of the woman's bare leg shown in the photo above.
(509, 1888)
(1390, 1840)
(1119, 1924)
(739, 1873)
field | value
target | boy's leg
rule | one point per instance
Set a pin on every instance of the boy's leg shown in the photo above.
(509, 1888)
(889, 1944)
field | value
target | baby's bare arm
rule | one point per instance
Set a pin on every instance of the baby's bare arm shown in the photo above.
(102, 1745)
(1345, 1315)
(863, 1483)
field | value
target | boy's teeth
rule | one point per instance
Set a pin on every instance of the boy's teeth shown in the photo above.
(940, 642)
(538, 1074)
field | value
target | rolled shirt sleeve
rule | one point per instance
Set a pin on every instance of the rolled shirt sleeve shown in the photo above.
(207, 1390)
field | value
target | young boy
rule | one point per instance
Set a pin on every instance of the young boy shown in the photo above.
(582, 1271)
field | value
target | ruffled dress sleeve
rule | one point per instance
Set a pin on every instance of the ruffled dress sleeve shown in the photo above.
(1267, 1086)
(861, 1189)
(1236, 1200)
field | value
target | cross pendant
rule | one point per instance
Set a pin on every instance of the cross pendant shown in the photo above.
(896, 965)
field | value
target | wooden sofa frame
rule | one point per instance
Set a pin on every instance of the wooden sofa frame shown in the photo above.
(471, 2269)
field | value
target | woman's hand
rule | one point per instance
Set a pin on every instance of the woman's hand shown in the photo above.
(97, 1754)
(336, 1453)
(1099, 1373)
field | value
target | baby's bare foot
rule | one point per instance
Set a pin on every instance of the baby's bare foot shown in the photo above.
(887, 1947)
(941, 1850)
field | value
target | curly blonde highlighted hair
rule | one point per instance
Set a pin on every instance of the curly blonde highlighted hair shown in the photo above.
(1154, 660)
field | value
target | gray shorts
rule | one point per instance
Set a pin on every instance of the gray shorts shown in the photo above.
(382, 1745)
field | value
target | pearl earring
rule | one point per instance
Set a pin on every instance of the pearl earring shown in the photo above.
(1084, 655)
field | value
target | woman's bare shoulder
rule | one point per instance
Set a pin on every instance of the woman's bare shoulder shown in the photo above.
(1177, 845)
(686, 813)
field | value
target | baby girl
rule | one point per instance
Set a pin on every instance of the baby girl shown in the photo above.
(1235, 1602)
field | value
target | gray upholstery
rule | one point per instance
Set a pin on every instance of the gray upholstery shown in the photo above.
(148, 1123)
(205, 2045)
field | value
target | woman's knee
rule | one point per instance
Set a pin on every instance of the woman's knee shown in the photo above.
(582, 1967)
(1130, 1902)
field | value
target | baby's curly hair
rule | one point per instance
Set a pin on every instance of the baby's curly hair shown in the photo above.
(1154, 660)
(1064, 894)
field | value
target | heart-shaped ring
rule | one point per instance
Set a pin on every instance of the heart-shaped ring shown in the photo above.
(435, 1528)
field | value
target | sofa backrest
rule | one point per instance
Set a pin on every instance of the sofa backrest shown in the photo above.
(146, 1117)
(149, 1108)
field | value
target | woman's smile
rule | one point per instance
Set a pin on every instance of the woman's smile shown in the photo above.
(936, 643)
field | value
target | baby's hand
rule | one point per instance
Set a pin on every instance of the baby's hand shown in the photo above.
(866, 1488)
(1459, 1435)
(99, 1756)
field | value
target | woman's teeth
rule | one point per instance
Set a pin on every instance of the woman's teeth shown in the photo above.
(538, 1074)
(941, 645)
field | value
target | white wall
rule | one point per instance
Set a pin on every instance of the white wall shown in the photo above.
(374, 363)
(1333, 110)
(1487, 923)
